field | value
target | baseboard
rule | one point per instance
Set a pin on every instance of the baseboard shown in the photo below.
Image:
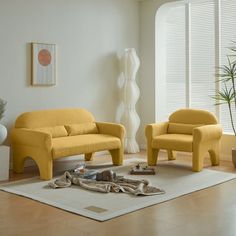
(143, 146)
(225, 157)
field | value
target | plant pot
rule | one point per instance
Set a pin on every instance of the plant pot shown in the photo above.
(234, 156)
(3, 133)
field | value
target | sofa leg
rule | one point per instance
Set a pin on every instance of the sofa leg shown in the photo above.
(171, 155)
(117, 156)
(45, 168)
(19, 156)
(18, 163)
(152, 155)
(88, 156)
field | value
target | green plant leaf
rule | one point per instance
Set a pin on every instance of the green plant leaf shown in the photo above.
(2, 107)
(227, 75)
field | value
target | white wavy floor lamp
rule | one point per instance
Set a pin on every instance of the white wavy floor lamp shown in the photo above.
(129, 94)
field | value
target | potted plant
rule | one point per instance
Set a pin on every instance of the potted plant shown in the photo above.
(3, 130)
(227, 94)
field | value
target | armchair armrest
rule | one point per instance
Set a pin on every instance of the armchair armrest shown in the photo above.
(114, 129)
(23, 136)
(156, 129)
(207, 133)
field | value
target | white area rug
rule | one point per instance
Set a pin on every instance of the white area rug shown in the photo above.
(176, 180)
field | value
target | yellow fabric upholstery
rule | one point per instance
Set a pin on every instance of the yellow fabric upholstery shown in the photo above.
(193, 116)
(84, 128)
(34, 138)
(42, 136)
(180, 142)
(188, 130)
(111, 129)
(48, 118)
(79, 144)
(56, 131)
(180, 128)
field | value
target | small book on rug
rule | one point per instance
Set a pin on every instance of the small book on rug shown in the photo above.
(139, 170)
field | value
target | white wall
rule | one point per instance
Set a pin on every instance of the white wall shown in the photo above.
(88, 34)
(148, 11)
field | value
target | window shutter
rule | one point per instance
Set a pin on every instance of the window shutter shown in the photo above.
(175, 61)
(202, 55)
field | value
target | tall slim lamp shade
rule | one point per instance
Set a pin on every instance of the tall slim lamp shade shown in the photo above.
(129, 95)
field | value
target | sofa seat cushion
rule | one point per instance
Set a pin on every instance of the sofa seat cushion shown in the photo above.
(178, 142)
(87, 143)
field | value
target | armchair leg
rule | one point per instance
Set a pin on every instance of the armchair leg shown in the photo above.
(117, 156)
(88, 156)
(214, 155)
(171, 155)
(197, 161)
(152, 155)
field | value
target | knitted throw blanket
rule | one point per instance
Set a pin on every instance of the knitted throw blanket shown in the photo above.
(120, 184)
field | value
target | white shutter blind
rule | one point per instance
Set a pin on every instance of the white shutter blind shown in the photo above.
(228, 34)
(175, 60)
(203, 55)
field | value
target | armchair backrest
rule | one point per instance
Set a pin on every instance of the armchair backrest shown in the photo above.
(54, 117)
(183, 121)
(193, 116)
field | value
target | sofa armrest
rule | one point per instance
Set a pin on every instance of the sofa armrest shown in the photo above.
(114, 129)
(156, 129)
(207, 133)
(28, 137)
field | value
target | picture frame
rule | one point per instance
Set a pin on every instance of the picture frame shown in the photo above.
(43, 64)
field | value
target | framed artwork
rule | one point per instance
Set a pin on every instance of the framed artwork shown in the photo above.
(43, 64)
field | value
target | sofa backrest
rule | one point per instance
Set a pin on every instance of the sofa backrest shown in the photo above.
(54, 117)
(183, 121)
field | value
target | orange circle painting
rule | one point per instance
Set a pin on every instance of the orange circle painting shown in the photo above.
(44, 57)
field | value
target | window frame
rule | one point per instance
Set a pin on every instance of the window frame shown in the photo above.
(160, 54)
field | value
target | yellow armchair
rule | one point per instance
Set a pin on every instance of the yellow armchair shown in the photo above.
(188, 130)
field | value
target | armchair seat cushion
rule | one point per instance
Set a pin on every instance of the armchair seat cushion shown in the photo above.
(178, 142)
(87, 143)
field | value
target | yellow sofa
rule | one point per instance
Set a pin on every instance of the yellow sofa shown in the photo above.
(47, 135)
(188, 130)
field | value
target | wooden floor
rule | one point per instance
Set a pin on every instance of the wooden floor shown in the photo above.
(209, 212)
